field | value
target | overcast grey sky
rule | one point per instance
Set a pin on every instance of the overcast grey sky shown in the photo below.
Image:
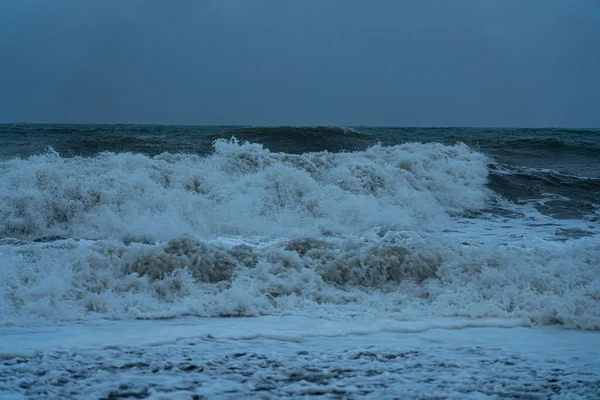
(343, 62)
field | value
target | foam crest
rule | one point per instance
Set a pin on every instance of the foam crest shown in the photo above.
(241, 189)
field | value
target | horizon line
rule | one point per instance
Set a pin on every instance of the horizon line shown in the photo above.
(306, 125)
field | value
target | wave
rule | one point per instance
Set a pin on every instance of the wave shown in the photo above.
(546, 176)
(381, 271)
(91, 140)
(298, 140)
(574, 157)
(92, 145)
(247, 231)
(559, 194)
(240, 189)
(549, 144)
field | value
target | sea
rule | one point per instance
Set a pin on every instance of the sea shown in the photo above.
(117, 236)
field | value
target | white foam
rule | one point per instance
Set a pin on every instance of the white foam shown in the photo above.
(292, 356)
(541, 281)
(105, 334)
(246, 232)
(242, 189)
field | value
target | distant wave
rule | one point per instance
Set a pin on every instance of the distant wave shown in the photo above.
(90, 140)
(547, 175)
(540, 148)
(91, 145)
(298, 140)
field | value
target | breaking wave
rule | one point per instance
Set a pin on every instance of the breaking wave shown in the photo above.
(248, 231)
(241, 189)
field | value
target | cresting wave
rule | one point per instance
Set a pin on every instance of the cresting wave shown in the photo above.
(247, 231)
(241, 189)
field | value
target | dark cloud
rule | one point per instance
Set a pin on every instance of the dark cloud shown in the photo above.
(467, 62)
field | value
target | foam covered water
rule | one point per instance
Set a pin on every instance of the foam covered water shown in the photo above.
(241, 189)
(411, 230)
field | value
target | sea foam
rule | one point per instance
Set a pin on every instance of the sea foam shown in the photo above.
(246, 232)
(241, 189)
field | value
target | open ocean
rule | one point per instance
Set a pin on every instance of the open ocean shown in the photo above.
(131, 223)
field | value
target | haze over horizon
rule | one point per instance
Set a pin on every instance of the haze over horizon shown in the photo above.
(486, 63)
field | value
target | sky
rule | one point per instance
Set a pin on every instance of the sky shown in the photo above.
(508, 63)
